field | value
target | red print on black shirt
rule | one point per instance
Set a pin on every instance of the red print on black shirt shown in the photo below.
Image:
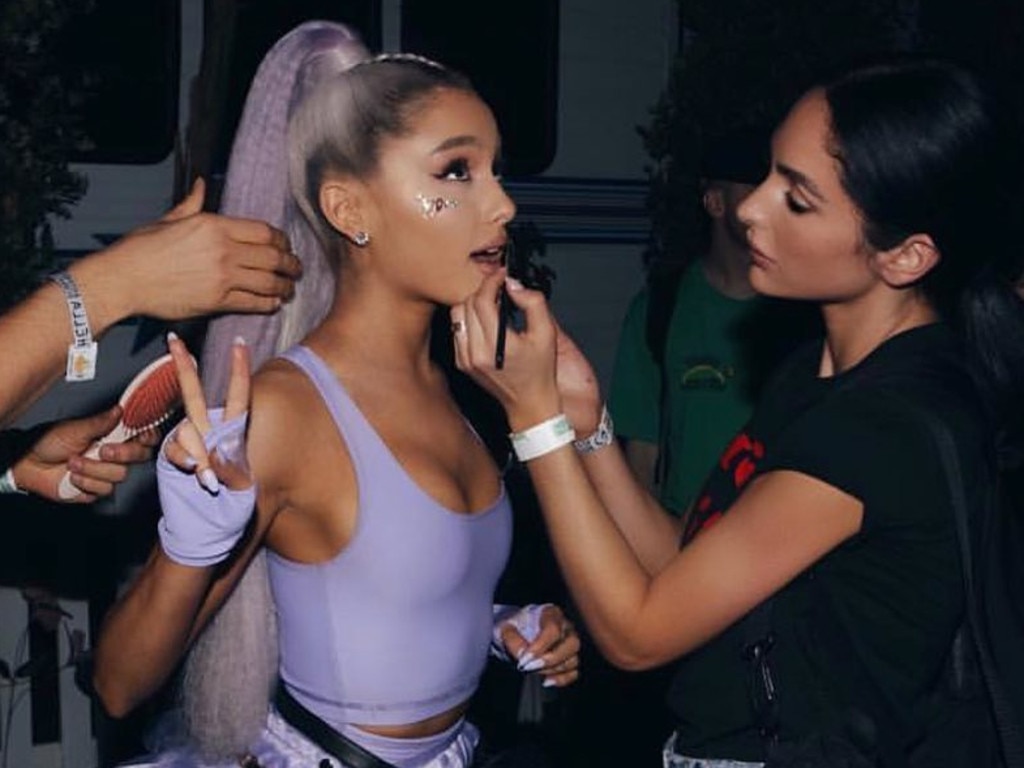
(737, 464)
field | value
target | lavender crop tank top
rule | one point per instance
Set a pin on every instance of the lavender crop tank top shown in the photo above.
(396, 627)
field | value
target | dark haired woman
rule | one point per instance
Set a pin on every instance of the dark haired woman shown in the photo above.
(820, 561)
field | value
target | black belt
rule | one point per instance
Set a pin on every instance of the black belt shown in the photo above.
(321, 734)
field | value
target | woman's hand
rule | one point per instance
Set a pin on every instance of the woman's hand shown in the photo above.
(544, 370)
(578, 386)
(198, 444)
(543, 640)
(206, 489)
(189, 264)
(59, 451)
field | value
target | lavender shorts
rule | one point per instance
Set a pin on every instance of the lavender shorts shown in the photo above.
(281, 746)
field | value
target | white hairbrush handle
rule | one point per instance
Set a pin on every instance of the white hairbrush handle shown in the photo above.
(67, 490)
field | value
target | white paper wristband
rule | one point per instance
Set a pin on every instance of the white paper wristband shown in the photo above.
(83, 350)
(542, 438)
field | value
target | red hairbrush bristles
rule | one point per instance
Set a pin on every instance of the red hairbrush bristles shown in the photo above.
(148, 401)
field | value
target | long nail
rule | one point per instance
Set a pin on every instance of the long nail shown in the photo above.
(532, 666)
(526, 658)
(549, 682)
(208, 479)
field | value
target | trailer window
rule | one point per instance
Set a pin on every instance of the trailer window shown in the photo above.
(258, 25)
(129, 50)
(510, 52)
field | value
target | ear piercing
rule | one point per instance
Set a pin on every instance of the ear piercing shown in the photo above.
(431, 206)
(361, 238)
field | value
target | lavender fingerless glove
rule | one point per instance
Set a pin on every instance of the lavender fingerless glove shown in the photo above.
(525, 619)
(199, 528)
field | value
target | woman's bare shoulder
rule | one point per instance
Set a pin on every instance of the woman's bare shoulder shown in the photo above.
(283, 411)
(279, 379)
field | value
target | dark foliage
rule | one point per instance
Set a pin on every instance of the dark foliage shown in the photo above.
(37, 133)
(741, 64)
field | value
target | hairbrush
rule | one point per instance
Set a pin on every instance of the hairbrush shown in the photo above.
(523, 243)
(149, 400)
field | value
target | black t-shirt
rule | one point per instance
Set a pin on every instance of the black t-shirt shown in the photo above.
(869, 625)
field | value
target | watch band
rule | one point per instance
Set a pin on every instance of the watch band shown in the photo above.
(602, 436)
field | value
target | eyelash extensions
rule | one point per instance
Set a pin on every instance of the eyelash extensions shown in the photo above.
(459, 169)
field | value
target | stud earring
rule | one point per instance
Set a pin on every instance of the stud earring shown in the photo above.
(361, 238)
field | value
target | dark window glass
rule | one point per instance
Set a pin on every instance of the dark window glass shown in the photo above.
(129, 51)
(258, 26)
(510, 52)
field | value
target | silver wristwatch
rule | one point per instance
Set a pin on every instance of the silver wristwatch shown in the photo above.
(602, 436)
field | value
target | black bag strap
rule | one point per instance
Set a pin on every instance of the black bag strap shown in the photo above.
(1005, 713)
(856, 729)
(758, 641)
(759, 637)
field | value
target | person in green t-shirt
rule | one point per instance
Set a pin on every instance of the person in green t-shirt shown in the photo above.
(679, 394)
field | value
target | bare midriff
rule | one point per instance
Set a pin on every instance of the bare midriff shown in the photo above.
(432, 725)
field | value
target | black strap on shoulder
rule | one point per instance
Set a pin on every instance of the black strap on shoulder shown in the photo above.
(759, 637)
(1006, 714)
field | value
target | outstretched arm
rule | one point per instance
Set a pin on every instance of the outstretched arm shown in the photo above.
(186, 265)
(652, 533)
(782, 523)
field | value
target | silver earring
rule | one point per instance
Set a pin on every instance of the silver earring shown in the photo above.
(361, 238)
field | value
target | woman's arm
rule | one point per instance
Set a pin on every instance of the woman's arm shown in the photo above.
(186, 265)
(145, 635)
(781, 524)
(148, 631)
(650, 530)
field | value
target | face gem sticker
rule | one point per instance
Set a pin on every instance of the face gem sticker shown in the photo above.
(431, 206)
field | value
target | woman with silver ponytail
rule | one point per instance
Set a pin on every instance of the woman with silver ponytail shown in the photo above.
(332, 535)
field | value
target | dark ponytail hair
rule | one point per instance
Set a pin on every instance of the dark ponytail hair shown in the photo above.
(925, 147)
